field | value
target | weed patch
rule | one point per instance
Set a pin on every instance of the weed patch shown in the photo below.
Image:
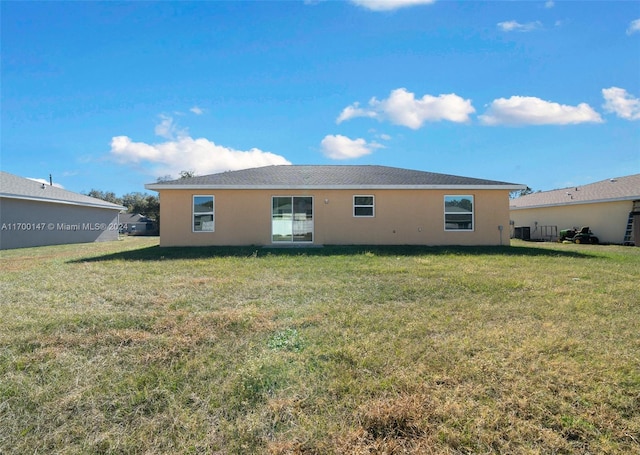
(286, 340)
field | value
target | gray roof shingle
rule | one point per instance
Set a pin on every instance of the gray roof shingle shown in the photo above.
(615, 189)
(12, 186)
(322, 177)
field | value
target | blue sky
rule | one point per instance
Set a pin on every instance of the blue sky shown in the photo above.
(113, 95)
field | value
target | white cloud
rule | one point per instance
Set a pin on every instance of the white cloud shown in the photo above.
(618, 101)
(549, 4)
(197, 110)
(402, 108)
(182, 152)
(526, 110)
(168, 129)
(201, 155)
(514, 26)
(353, 111)
(634, 27)
(388, 5)
(338, 147)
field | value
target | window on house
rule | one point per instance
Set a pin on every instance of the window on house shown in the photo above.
(363, 206)
(292, 219)
(203, 214)
(458, 213)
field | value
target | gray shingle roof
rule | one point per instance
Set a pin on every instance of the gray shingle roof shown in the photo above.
(323, 177)
(616, 189)
(133, 218)
(12, 186)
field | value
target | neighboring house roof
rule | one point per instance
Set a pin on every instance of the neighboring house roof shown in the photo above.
(134, 218)
(14, 187)
(611, 190)
(331, 177)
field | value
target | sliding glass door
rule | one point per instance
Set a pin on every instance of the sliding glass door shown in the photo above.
(292, 219)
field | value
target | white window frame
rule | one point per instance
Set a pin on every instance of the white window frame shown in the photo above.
(473, 212)
(194, 213)
(372, 205)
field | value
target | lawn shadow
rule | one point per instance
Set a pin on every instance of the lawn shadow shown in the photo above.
(158, 253)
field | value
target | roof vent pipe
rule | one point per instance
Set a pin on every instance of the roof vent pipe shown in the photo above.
(50, 180)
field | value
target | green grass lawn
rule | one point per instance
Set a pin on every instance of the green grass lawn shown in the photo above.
(128, 348)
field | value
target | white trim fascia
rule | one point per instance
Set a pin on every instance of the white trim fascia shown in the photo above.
(119, 208)
(563, 204)
(157, 187)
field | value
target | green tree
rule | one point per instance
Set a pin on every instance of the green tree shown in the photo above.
(108, 196)
(517, 194)
(152, 207)
(183, 175)
(142, 203)
(187, 174)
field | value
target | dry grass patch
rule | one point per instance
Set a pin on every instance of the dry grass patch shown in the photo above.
(125, 347)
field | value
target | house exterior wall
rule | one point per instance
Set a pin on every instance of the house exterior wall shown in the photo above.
(607, 220)
(27, 223)
(402, 217)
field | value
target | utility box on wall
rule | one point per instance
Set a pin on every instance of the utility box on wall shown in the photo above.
(522, 232)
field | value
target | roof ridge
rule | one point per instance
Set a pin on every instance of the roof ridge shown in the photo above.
(613, 189)
(328, 176)
(15, 186)
(611, 179)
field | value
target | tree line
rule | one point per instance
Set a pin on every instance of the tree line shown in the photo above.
(143, 203)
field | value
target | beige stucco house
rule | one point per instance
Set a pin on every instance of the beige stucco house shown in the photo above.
(338, 205)
(611, 208)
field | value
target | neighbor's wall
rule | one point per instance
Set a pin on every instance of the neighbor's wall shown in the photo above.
(402, 217)
(607, 220)
(25, 223)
